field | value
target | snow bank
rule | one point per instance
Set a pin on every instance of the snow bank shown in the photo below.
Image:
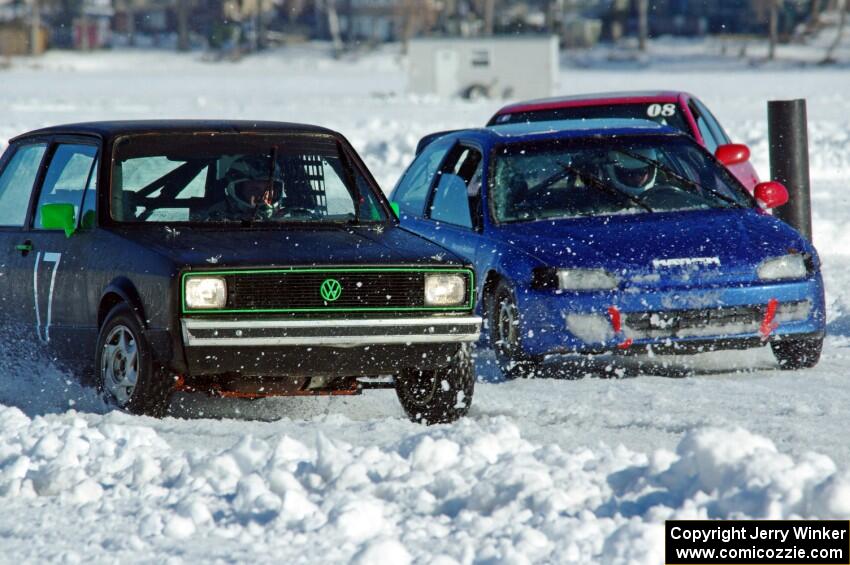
(473, 492)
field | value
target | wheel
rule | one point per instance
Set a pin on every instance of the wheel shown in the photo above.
(505, 339)
(797, 353)
(476, 92)
(441, 396)
(125, 373)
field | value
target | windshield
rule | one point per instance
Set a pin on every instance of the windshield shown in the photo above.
(565, 179)
(668, 114)
(238, 178)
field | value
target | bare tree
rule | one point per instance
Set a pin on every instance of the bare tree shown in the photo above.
(408, 23)
(84, 30)
(643, 23)
(182, 25)
(773, 28)
(841, 6)
(814, 15)
(348, 10)
(329, 7)
(130, 14)
(35, 28)
(554, 9)
(489, 16)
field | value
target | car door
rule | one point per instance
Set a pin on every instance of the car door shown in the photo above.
(19, 170)
(61, 314)
(412, 190)
(453, 211)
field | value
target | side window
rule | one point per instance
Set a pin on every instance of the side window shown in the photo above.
(16, 182)
(713, 124)
(451, 201)
(704, 130)
(370, 207)
(88, 215)
(413, 188)
(66, 178)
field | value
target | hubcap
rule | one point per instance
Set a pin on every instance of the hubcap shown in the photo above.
(119, 365)
(507, 326)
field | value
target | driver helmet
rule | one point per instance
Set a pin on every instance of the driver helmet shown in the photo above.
(248, 189)
(632, 175)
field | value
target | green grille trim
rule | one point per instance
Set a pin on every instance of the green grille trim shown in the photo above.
(468, 306)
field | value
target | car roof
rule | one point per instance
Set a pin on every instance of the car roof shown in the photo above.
(564, 129)
(112, 129)
(594, 99)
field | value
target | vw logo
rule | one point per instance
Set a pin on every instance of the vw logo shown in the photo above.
(330, 290)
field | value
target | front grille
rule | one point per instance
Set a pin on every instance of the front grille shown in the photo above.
(299, 290)
(714, 321)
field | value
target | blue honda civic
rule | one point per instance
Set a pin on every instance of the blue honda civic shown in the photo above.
(602, 236)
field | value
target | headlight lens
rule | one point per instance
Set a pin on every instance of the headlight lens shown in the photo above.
(206, 292)
(785, 267)
(586, 279)
(445, 290)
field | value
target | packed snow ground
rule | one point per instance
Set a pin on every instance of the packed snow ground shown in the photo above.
(553, 469)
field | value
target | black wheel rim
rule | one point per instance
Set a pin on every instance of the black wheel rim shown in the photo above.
(506, 327)
(421, 388)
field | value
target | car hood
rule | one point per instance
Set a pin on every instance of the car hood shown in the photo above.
(326, 245)
(690, 247)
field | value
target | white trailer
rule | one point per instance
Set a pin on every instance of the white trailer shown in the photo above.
(495, 67)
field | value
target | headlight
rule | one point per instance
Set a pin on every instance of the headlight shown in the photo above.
(205, 293)
(785, 267)
(586, 279)
(445, 290)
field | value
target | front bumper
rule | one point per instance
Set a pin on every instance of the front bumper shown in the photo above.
(686, 319)
(324, 347)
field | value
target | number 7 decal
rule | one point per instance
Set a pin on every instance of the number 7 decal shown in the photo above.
(48, 258)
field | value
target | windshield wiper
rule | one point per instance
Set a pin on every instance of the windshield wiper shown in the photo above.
(603, 186)
(692, 183)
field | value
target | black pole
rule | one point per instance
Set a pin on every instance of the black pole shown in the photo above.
(789, 161)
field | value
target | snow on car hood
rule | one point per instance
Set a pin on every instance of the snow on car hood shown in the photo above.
(325, 245)
(651, 246)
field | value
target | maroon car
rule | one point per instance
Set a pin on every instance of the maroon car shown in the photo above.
(676, 109)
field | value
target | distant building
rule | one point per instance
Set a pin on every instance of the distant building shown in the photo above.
(386, 20)
(15, 38)
(699, 17)
(495, 67)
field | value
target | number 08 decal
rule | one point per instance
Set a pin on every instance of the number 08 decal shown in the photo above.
(666, 110)
(48, 258)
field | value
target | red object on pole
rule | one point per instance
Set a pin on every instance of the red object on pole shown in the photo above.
(617, 325)
(768, 324)
(614, 314)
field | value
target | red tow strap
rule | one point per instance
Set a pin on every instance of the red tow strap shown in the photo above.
(617, 325)
(768, 324)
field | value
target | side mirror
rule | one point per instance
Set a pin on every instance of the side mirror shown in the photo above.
(771, 194)
(396, 211)
(59, 217)
(732, 154)
(87, 222)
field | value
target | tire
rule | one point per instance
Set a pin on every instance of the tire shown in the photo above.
(438, 397)
(503, 320)
(125, 374)
(476, 92)
(795, 354)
